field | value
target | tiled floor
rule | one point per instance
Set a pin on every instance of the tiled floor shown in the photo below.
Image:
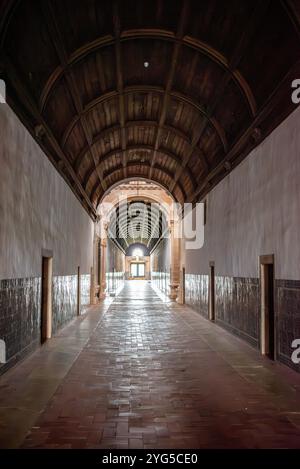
(155, 374)
(26, 389)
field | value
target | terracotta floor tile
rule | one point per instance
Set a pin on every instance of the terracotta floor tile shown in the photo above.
(155, 374)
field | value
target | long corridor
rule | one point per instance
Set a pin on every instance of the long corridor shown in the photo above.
(149, 227)
(155, 374)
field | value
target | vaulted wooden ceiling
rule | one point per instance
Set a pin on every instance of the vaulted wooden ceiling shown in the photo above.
(137, 222)
(218, 81)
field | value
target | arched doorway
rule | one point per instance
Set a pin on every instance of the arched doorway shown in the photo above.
(139, 214)
(137, 262)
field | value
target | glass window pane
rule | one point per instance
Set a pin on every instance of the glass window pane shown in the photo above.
(133, 270)
(141, 270)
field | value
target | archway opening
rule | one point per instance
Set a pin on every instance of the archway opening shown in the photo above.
(135, 219)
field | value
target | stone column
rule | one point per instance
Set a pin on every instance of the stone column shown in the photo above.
(181, 288)
(174, 261)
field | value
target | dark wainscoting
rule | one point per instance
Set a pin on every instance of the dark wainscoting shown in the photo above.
(287, 307)
(85, 289)
(237, 303)
(20, 312)
(237, 309)
(162, 281)
(237, 306)
(196, 292)
(64, 300)
(114, 280)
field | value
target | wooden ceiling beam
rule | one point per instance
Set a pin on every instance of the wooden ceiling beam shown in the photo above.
(145, 164)
(120, 86)
(57, 40)
(140, 89)
(141, 176)
(189, 154)
(129, 124)
(239, 51)
(136, 147)
(293, 11)
(169, 84)
(197, 50)
(149, 148)
(187, 41)
(6, 13)
(273, 100)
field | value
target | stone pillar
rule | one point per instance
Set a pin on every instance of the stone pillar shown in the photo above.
(174, 261)
(181, 288)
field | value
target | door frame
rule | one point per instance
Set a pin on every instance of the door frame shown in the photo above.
(138, 264)
(265, 261)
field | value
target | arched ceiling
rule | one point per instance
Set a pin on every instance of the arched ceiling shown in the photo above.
(218, 81)
(131, 250)
(137, 222)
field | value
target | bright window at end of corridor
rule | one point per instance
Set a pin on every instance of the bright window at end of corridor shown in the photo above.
(137, 252)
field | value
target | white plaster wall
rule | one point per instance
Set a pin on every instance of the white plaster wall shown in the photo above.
(37, 209)
(255, 210)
